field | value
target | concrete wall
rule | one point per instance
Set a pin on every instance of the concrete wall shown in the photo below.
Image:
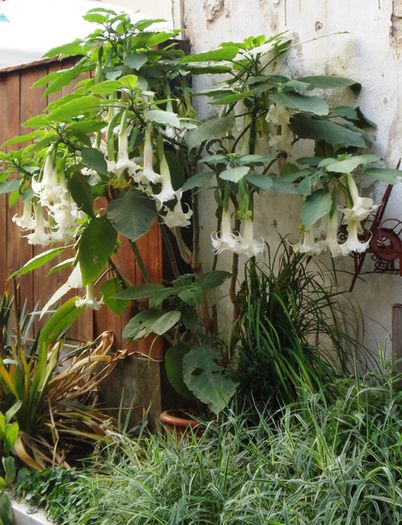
(369, 52)
(153, 8)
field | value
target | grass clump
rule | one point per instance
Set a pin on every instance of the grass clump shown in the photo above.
(315, 463)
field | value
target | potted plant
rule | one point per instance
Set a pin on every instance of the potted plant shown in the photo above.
(129, 134)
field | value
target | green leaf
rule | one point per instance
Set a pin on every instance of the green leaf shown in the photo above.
(390, 176)
(315, 206)
(37, 122)
(234, 174)
(38, 261)
(97, 243)
(174, 369)
(224, 53)
(349, 165)
(9, 186)
(95, 160)
(59, 322)
(73, 108)
(132, 214)
(106, 87)
(308, 127)
(129, 81)
(109, 290)
(10, 436)
(331, 82)
(264, 182)
(67, 50)
(20, 139)
(148, 322)
(255, 159)
(136, 61)
(81, 193)
(210, 129)
(209, 382)
(141, 291)
(6, 512)
(9, 465)
(212, 279)
(311, 104)
(198, 181)
(159, 116)
(13, 410)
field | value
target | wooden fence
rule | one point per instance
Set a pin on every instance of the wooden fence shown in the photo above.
(19, 101)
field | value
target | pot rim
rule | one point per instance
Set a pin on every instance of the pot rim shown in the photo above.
(169, 417)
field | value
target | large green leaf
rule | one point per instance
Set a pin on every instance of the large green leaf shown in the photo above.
(174, 369)
(59, 322)
(234, 174)
(349, 165)
(96, 245)
(6, 512)
(224, 53)
(308, 127)
(198, 181)
(132, 214)
(210, 129)
(315, 206)
(264, 182)
(387, 175)
(81, 193)
(9, 186)
(316, 105)
(95, 160)
(209, 382)
(109, 292)
(159, 116)
(136, 60)
(107, 87)
(141, 291)
(330, 82)
(150, 321)
(212, 279)
(38, 261)
(75, 107)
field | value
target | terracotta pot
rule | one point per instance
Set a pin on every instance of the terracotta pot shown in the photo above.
(178, 421)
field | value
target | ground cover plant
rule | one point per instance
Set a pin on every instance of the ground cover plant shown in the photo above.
(317, 462)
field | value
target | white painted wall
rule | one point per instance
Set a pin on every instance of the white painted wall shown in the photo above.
(153, 8)
(370, 52)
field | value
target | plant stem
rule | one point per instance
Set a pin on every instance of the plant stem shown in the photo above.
(140, 262)
(169, 248)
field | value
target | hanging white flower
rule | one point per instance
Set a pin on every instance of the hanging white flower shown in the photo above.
(352, 243)
(47, 188)
(40, 235)
(167, 192)
(178, 218)
(246, 243)
(279, 116)
(362, 206)
(123, 161)
(74, 281)
(89, 301)
(225, 239)
(331, 240)
(148, 171)
(25, 221)
(309, 246)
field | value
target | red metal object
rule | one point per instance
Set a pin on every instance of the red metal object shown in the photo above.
(385, 245)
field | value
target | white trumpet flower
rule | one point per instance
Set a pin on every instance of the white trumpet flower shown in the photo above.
(89, 300)
(25, 221)
(123, 161)
(352, 243)
(148, 171)
(225, 239)
(309, 246)
(246, 244)
(47, 189)
(167, 192)
(178, 218)
(40, 236)
(362, 206)
(279, 116)
(74, 281)
(331, 239)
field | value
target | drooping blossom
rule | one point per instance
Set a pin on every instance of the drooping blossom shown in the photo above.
(331, 240)
(148, 171)
(279, 117)
(89, 301)
(225, 239)
(167, 192)
(308, 245)
(178, 218)
(124, 163)
(74, 281)
(47, 187)
(362, 206)
(26, 220)
(352, 243)
(40, 235)
(246, 244)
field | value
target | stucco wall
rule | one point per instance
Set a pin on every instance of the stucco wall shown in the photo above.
(153, 8)
(369, 52)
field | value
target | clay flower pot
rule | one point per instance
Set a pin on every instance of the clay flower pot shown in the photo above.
(178, 421)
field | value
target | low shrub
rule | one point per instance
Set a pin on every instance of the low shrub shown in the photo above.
(319, 463)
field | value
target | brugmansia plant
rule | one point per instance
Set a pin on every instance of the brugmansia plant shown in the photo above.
(125, 150)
